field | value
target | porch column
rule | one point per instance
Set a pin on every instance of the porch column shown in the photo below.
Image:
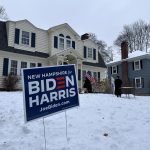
(79, 66)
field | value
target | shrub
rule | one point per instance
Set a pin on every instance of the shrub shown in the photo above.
(102, 86)
(10, 82)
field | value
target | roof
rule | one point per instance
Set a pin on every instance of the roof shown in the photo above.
(64, 25)
(99, 64)
(132, 56)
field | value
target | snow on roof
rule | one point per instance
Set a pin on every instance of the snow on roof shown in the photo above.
(134, 54)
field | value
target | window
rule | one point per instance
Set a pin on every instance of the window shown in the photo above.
(23, 65)
(83, 74)
(138, 83)
(68, 42)
(13, 67)
(95, 75)
(137, 65)
(61, 43)
(32, 65)
(25, 38)
(114, 70)
(90, 53)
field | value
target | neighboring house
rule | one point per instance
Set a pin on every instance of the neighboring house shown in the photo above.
(133, 69)
(22, 45)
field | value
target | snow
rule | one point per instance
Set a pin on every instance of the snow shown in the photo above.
(137, 53)
(125, 120)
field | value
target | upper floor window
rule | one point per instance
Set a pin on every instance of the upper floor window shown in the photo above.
(90, 53)
(13, 67)
(114, 69)
(25, 38)
(68, 42)
(137, 65)
(61, 41)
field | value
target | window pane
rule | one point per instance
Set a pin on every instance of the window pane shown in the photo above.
(13, 68)
(23, 64)
(68, 43)
(138, 82)
(114, 70)
(61, 43)
(137, 65)
(95, 75)
(25, 37)
(83, 74)
(90, 53)
(32, 65)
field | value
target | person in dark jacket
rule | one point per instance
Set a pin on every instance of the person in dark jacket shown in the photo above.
(87, 85)
(118, 84)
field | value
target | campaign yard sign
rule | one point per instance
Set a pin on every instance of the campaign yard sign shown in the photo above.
(48, 90)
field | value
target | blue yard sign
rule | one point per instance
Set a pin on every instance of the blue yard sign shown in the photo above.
(49, 90)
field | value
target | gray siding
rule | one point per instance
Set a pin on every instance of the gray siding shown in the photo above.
(143, 73)
(132, 74)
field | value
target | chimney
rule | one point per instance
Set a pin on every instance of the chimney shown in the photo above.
(84, 36)
(124, 50)
(124, 55)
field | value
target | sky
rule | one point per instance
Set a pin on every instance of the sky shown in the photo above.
(102, 122)
(105, 18)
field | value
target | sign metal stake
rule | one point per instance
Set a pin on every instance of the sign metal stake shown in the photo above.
(44, 133)
(66, 126)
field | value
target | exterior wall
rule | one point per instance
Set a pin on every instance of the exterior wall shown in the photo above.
(89, 44)
(114, 75)
(65, 32)
(19, 58)
(44, 43)
(144, 73)
(132, 74)
(41, 43)
(95, 69)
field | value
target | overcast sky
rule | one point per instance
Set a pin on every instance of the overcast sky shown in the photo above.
(105, 18)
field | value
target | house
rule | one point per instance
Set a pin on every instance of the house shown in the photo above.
(23, 45)
(133, 69)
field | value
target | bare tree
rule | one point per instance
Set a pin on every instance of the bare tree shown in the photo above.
(3, 14)
(137, 35)
(105, 51)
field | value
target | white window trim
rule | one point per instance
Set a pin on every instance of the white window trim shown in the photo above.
(9, 68)
(59, 37)
(139, 65)
(65, 42)
(19, 65)
(137, 78)
(113, 69)
(20, 39)
(88, 51)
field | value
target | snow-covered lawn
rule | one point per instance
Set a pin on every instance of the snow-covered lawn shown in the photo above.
(126, 123)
